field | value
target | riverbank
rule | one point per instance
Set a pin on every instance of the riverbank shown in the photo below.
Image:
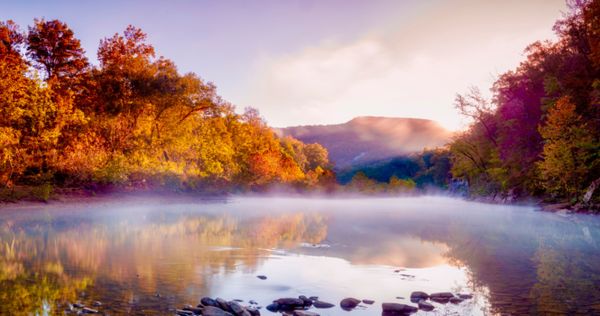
(27, 195)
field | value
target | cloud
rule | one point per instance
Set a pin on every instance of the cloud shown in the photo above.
(411, 69)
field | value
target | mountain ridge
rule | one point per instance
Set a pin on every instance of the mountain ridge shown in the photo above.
(370, 138)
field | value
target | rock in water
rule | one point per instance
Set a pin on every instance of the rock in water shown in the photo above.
(456, 300)
(370, 302)
(398, 309)
(442, 297)
(465, 296)
(253, 311)
(289, 303)
(214, 311)
(416, 296)
(223, 304)
(207, 301)
(307, 301)
(304, 313)
(321, 304)
(426, 306)
(349, 303)
(237, 309)
(195, 310)
(262, 277)
(447, 295)
(273, 307)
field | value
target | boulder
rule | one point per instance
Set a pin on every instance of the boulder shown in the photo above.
(349, 303)
(456, 300)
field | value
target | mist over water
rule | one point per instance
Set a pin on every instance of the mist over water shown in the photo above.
(150, 255)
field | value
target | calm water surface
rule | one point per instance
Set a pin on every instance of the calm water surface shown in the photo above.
(149, 256)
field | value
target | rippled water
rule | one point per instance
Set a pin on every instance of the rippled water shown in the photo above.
(151, 255)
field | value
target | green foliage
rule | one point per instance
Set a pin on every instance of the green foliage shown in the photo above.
(431, 168)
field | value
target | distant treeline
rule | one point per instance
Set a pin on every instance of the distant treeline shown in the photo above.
(538, 136)
(132, 121)
(427, 170)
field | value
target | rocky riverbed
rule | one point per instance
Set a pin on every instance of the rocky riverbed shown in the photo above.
(300, 306)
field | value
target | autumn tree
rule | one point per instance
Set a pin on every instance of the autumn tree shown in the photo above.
(55, 50)
(569, 153)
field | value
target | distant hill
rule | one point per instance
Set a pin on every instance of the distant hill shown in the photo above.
(368, 138)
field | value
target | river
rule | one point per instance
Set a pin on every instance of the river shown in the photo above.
(151, 255)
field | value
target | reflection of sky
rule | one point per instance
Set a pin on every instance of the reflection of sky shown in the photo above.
(332, 279)
(184, 249)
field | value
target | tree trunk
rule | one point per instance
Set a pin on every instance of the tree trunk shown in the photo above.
(587, 197)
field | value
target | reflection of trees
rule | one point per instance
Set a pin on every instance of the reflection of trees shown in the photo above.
(128, 257)
(529, 263)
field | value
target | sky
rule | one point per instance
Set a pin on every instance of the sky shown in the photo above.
(305, 62)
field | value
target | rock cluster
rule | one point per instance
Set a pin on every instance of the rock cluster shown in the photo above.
(218, 307)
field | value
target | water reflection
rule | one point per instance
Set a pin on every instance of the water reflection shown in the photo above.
(147, 256)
